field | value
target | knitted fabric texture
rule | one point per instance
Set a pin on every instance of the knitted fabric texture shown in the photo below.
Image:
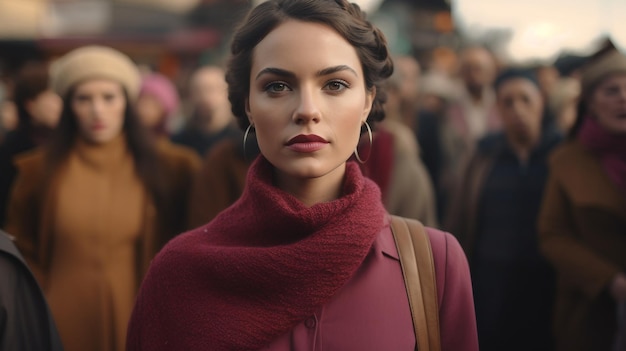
(258, 269)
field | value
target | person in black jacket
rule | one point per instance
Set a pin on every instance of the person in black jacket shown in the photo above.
(25, 321)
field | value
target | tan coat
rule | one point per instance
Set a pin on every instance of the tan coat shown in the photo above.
(83, 257)
(582, 229)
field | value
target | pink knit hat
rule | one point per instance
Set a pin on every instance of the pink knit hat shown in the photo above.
(161, 87)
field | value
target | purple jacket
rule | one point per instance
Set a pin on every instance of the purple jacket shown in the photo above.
(372, 311)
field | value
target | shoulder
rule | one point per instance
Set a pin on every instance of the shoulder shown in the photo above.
(177, 156)
(30, 166)
(445, 246)
(403, 138)
(568, 154)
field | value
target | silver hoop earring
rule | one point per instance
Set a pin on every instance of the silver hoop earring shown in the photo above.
(356, 151)
(245, 137)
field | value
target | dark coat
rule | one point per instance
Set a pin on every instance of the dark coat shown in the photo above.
(494, 215)
(25, 320)
(583, 233)
(15, 143)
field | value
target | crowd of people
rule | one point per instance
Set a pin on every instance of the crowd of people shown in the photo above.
(263, 221)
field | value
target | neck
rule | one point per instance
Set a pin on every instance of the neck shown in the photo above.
(522, 149)
(311, 191)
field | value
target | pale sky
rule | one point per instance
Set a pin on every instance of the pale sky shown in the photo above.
(542, 27)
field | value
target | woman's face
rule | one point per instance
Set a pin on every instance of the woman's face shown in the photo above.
(99, 106)
(308, 99)
(150, 111)
(607, 103)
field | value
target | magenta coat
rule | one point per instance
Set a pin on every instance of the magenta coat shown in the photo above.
(364, 316)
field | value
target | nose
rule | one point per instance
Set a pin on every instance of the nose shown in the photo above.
(97, 107)
(307, 110)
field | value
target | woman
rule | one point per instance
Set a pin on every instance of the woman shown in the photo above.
(91, 210)
(38, 109)
(305, 259)
(582, 223)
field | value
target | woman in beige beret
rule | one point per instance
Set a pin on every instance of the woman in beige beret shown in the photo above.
(582, 223)
(91, 210)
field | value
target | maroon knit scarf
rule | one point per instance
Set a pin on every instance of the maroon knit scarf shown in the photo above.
(262, 266)
(610, 148)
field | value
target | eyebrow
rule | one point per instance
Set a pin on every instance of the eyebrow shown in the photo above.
(287, 74)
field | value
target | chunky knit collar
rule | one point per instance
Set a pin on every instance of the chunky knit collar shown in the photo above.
(261, 267)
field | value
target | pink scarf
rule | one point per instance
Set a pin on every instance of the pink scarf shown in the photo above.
(258, 269)
(610, 148)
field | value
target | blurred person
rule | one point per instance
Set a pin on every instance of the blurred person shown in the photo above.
(91, 209)
(547, 76)
(494, 216)
(211, 119)
(437, 92)
(583, 216)
(408, 73)
(562, 101)
(221, 179)
(38, 109)
(26, 323)
(157, 103)
(156, 106)
(471, 116)
(394, 162)
(8, 117)
(307, 250)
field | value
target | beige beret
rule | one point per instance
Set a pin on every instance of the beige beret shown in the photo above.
(90, 62)
(593, 73)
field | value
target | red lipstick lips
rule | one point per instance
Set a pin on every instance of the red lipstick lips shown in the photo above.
(311, 138)
(306, 143)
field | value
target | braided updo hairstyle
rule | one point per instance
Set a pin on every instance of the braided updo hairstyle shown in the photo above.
(344, 17)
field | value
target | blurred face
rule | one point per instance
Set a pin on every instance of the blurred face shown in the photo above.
(99, 106)
(520, 105)
(45, 109)
(409, 70)
(209, 91)
(308, 100)
(150, 111)
(607, 103)
(477, 68)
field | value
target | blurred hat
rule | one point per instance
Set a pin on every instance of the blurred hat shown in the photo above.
(610, 62)
(91, 62)
(161, 87)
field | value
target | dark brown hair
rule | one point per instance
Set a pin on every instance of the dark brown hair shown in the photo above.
(344, 17)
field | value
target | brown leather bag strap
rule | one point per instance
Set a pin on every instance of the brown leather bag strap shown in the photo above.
(418, 269)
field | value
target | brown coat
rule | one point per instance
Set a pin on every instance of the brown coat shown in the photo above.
(28, 216)
(582, 229)
(219, 183)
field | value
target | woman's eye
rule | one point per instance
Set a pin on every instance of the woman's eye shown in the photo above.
(276, 87)
(336, 85)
